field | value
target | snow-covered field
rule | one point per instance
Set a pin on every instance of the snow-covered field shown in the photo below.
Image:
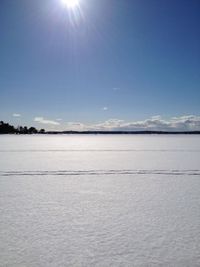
(99, 201)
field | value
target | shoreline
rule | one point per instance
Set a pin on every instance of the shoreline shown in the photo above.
(112, 133)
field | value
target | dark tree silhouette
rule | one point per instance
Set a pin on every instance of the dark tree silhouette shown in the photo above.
(6, 128)
(32, 130)
(42, 131)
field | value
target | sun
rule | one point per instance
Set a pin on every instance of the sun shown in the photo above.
(71, 3)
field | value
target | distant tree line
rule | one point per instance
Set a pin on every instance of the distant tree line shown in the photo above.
(6, 128)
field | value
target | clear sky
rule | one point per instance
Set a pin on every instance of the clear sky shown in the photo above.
(104, 63)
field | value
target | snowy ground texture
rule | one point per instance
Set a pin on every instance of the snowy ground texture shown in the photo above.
(99, 201)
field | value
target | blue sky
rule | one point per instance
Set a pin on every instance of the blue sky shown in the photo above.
(104, 62)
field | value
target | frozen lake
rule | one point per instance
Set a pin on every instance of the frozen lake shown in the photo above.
(99, 200)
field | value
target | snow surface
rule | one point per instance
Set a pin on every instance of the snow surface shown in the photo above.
(100, 200)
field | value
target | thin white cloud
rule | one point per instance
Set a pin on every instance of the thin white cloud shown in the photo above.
(105, 108)
(76, 126)
(155, 123)
(45, 121)
(156, 117)
(116, 89)
(16, 115)
(58, 119)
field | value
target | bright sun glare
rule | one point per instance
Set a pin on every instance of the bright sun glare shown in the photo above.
(71, 3)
